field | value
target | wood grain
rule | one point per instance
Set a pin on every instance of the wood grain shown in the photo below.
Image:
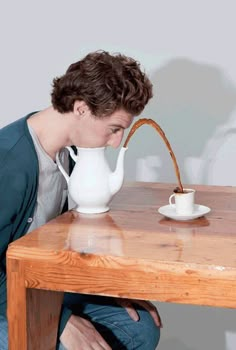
(131, 251)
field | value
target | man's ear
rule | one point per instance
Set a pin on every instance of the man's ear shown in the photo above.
(80, 108)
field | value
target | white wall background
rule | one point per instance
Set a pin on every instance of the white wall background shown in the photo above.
(188, 50)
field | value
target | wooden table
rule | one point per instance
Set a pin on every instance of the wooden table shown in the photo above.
(131, 251)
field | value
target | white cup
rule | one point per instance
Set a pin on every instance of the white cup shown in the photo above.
(184, 202)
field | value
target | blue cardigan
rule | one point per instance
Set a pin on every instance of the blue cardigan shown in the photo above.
(19, 173)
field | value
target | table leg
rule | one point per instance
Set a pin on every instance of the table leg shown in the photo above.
(43, 312)
(33, 314)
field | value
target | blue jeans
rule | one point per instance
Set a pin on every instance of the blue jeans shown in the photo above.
(3, 333)
(111, 321)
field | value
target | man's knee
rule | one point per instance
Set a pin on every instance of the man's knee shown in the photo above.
(147, 333)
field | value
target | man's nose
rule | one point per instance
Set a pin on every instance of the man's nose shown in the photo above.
(116, 139)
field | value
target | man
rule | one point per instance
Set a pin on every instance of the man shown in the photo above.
(92, 104)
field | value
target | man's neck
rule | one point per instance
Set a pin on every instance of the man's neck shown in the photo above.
(50, 128)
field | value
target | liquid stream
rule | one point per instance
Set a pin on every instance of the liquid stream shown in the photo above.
(151, 122)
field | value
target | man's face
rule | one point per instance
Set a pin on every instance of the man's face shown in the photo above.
(101, 132)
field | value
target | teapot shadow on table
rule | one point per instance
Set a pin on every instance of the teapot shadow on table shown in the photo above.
(90, 234)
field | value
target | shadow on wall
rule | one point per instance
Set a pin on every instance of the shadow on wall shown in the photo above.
(194, 327)
(193, 104)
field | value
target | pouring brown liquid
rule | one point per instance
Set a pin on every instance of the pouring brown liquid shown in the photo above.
(151, 122)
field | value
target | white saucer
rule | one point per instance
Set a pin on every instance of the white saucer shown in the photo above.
(169, 211)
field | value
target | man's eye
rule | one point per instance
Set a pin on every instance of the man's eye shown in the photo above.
(114, 131)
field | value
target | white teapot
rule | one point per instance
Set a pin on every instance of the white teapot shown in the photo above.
(92, 184)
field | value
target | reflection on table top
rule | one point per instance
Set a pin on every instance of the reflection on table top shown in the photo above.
(134, 229)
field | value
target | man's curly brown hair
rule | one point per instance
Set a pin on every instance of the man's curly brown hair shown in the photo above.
(105, 82)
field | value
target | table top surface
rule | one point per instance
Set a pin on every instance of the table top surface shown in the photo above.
(133, 229)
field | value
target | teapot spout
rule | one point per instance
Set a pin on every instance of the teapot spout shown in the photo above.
(117, 177)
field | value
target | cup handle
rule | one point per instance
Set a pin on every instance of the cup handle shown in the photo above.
(170, 200)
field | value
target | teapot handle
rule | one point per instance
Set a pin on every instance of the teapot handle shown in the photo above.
(73, 156)
(72, 153)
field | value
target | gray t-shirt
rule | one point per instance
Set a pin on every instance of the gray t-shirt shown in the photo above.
(52, 186)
